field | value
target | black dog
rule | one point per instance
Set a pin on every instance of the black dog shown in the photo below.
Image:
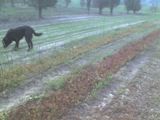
(17, 34)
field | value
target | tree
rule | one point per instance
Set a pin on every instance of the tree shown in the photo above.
(1, 4)
(42, 4)
(154, 5)
(101, 4)
(88, 5)
(82, 3)
(133, 5)
(67, 2)
(12, 3)
(24, 2)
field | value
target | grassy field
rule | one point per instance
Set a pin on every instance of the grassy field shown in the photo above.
(68, 32)
(67, 39)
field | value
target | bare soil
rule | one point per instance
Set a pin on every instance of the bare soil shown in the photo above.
(132, 95)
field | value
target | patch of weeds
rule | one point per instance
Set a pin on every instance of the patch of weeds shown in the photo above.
(156, 100)
(3, 116)
(121, 91)
(60, 81)
(35, 97)
(100, 85)
(56, 84)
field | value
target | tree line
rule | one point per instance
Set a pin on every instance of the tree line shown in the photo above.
(131, 5)
(40, 5)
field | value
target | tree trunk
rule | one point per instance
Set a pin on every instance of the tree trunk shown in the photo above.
(24, 2)
(111, 10)
(39, 9)
(40, 12)
(88, 5)
(100, 10)
(12, 3)
(67, 4)
(134, 11)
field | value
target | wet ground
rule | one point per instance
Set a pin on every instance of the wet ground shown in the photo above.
(59, 32)
(37, 84)
(133, 93)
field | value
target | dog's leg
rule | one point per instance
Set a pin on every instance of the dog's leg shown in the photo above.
(28, 43)
(28, 37)
(17, 45)
(31, 44)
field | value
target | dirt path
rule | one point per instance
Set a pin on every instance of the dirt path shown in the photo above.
(132, 95)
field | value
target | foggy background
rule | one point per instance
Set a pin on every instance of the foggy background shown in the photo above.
(26, 10)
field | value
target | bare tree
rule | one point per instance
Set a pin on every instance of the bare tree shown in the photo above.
(88, 5)
(154, 5)
(12, 3)
(1, 4)
(133, 5)
(42, 4)
(24, 2)
(82, 3)
(101, 4)
(67, 2)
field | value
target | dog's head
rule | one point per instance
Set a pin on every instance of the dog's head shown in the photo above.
(6, 41)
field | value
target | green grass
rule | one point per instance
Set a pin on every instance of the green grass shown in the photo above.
(3, 116)
(100, 85)
(66, 32)
(56, 84)
(59, 83)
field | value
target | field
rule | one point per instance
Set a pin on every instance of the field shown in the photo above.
(70, 46)
(64, 36)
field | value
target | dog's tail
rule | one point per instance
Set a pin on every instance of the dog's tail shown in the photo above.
(37, 34)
